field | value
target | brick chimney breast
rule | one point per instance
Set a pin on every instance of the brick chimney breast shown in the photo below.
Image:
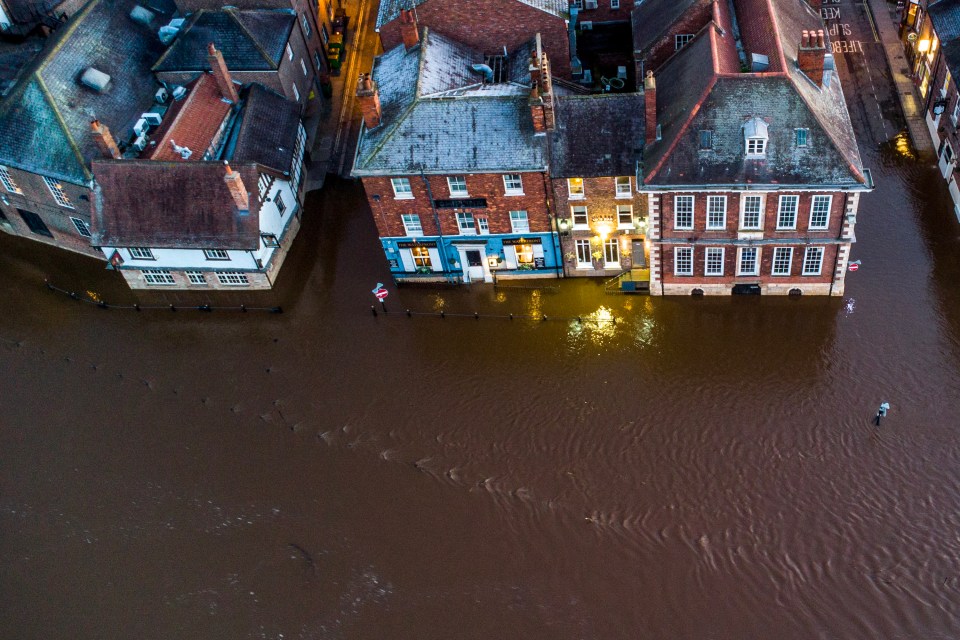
(408, 29)
(650, 107)
(368, 97)
(104, 140)
(237, 189)
(222, 74)
(811, 55)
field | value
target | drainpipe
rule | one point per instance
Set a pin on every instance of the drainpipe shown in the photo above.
(551, 215)
(836, 256)
(436, 220)
(660, 248)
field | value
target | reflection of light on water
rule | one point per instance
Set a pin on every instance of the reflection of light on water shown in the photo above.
(501, 296)
(535, 306)
(597, 327)
(439, 304)
(93, 295)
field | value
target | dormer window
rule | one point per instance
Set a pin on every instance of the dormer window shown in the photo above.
(755, 137)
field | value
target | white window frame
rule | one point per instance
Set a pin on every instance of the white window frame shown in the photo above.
(777, 252)
(196, 277)
(621, 210)
(280, 204)
(743, 211)
(802, 133)
(296, 92)
(140, 253)
(620, 191)
(780, 212)
(755, 252)
(270, 240)
(306, 24)
(681, 40)
(158, 277)
(232, 279)
(756, 147)
(676, 208)
(483, 225)
(586, 217)
(422, 261)
(614, 4)
(58, 192)
(716, 205)
(466, 223)
(519, 223)
(813, 209)
(458, 181)
(712, 253)
(303, 65)
(576, 193)
(289, 52)
(411, 224)
(583, 245)
(807, 255)
(81, 227)
(401, 188)
(688, 253)
(510, 182)
(216, 254)
(8, 182)
(611, 245)
(756, 135)
(955, 116)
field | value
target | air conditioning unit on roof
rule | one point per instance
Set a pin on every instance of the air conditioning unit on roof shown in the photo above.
(140, 143)
(161, 96)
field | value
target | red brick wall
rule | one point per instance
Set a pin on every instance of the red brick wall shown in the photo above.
(690, 22)
(603, 12)
(766, 265)
(490, 25)
(387, 211)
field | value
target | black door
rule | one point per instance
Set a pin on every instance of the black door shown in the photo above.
(473, 258)
(35, 223)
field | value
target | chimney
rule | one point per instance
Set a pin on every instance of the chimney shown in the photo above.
(541, 92)
(104, 139)
(536, 111)
(222, 74)
(237, 189)
(369, 99)
(408, 29)
(810, 55)
(650, 107)
(546, 93)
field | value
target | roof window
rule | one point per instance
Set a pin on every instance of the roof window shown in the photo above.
(755, 138)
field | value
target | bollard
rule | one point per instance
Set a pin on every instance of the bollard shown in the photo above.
(544, 318)
(102, 305)
(443, 315)
(579, 320)
(409, 315)
(383, 305)
(243, 308)
(172, 308)
(74, 295)
(136, 306)
(476, 316)
(511, 316)
(373, 310)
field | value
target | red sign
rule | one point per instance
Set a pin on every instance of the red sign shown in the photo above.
(854, 266)
(381, 294)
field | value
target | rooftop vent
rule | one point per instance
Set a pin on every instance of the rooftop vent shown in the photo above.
(759, 62)
(95, 79)
(169, 32)
(141, 16)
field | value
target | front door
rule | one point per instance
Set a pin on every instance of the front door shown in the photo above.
(474, 266)
(639, 258)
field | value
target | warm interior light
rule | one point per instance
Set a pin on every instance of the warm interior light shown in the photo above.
(603, 229)
(923, 46)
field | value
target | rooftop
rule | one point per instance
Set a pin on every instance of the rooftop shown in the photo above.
(268, 130)
(193, 122)
(390, 9)
(945, 15)
(598, 135)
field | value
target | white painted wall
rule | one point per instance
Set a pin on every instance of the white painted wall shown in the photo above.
(183, 259)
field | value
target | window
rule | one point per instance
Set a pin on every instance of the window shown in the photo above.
(812, 261)
(614, 4)
(782, 260)
(141, 253)
(755, 135)
(401, 188)
(577, 4)
(519, 222)
(706, 139)
(787, 212)
(81, 226)
(584, 259)
(411, 224)
(58, 193)
(756, 146)
(713, 265)
(466, 223)
(289, 52)
(716, 212)
(281, 207)
(681, 39)
(7, 180)
(270, 240)
(820, 212)
(624, 187)
(306, 24)
(802, 136)
(158, 277)
(263, 185)
(513, 184)
(575, 188)
(232, 279)
(303, 65)
(524, 255)
(35, 223)
(955, 116)
(683, 261)
(316, 61)
(580, 219)
(323, 29)
(751, 212)
(421, 258)
(457, 186)
(196, 277)
(611, 253)
(625, 216)
(296, 92)
(483, 226)
(683, 212)
(215, 254)
(749, 262)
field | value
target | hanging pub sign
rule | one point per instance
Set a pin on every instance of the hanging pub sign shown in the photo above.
(430, 244)
(461, 203)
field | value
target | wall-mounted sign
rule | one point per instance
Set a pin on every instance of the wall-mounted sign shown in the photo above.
(411, 245)
(516, 241)
(462, 203)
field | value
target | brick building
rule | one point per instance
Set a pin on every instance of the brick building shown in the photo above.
(602, 11)
(453, 161)
(488, 26)
(753, 177)
(663, 27)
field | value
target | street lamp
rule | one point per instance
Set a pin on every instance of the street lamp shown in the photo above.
(564, 225)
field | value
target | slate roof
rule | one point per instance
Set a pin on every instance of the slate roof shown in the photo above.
(250, 40)
(653, 19)
(598, 135)
(191, 122)
(696, 90)
(945, 15)
(390, 9)
(182, 205)
(45, 119)
(268, 130)
(444, 120)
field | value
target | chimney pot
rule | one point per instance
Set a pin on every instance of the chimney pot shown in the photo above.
(810, 56)
(409, 31)
(222, 74)
(104, 140)
(368, 97)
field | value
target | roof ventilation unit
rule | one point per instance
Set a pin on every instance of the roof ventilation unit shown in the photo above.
(178, 92)
(140, 143)
(759, 62)
(161, 96)
(94, 79)
(152, 118)
(169, 32)
(141, 15)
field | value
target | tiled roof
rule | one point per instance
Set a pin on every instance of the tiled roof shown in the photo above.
(456, 127)
(192, 122)
(653, 19)
(183, 205)
(390, 9)
(268, 130)
(598, 135)
(697, 91)
(945, 15)
(49, 110)
(250, 40)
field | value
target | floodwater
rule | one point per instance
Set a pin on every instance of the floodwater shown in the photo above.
(700, 468)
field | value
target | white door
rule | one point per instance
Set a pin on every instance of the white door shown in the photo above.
(473, 264)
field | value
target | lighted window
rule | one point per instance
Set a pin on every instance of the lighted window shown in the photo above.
(820, 212)
(575, 188)
(580, 218)
(716, 212)
(58, 192)
(681, 39)
(683, 261)
(466, 224)
(519, 223)
(232, 279)
(624, 187)
(787, 212)
(713, 265)
(411, 224)
(751, 212)
(683, 212)
(401, 188)
(421, 258)
(584, 257)
(782, 261)
(524, 254)
(625, 216)
(611, 253)
(215, 254)
(749, 262)
(755, 135)
(7, 180)
(457, 186)
(141, 253)
(81, 227)
(289, 52)
(812, 261)
(158, 277)
(513, 184)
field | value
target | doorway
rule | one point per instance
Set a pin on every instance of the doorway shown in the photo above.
(473, 265)
(639, 257)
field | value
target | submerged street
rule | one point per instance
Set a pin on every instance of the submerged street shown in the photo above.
(664, 468)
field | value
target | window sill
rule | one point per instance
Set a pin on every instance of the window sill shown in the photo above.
(581, 227)
(414, 234)
(625, 227)
(514, 193)
(748, 275)
(454, 196)
(519, 231)
(403, 197)
(624, 196)
(579, 196)
(584, 266)
(818, 229)
(468, 232)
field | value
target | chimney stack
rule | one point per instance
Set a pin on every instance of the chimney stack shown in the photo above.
(369, 99)
(811, 54)
(237, 188)
(541, 93)
(104, 139)
(222, 74)
(408, 29)
(650, 107)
